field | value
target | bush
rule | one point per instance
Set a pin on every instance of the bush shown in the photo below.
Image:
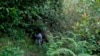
(66, 46)
(11, 51)
(88, 29)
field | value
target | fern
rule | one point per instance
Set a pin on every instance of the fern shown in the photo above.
(84, 55)
(62, 51)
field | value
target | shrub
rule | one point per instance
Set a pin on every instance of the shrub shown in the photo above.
(88, 29)
(66, 46)
(11, 51)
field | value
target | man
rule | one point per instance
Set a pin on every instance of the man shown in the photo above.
(39, 38)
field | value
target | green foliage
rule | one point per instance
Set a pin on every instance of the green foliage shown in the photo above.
(11, 51)
(67, 47)
(84, 55)
(88, 29)
(62, 52)
(19, 19)
(16, 14)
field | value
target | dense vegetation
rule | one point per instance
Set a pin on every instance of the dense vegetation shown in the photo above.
(72, 27)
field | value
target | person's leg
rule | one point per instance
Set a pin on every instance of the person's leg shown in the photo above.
(40, 42)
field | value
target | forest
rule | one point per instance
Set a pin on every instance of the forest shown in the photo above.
(49, 27)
